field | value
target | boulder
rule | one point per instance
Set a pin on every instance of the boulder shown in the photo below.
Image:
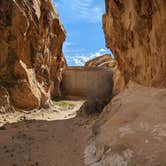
(92, 106)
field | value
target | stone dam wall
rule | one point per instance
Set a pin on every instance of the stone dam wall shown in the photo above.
(87, 82)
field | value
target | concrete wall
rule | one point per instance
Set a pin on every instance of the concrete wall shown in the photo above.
(87, 82)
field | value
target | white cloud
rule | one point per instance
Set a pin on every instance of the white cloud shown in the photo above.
(86, 10)
(80, 60)
(77, 56)
(103, 50)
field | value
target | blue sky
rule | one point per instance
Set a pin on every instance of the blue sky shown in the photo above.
(82, 20)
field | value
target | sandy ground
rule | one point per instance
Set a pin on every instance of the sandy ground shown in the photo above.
(53, 137)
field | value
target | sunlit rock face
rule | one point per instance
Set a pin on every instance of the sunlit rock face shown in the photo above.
(135, 32)
(104, 61)
(31, 58)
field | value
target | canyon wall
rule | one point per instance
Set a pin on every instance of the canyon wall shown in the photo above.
(31, 58)
(135, 32)
(87, 83)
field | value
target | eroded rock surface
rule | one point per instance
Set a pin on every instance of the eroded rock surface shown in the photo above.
(131, 130)
(135, 32)
(31, 58)
(104, 61)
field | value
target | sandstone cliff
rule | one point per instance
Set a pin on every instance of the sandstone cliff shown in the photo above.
(105, 61)
(135, 32)
(31, 58)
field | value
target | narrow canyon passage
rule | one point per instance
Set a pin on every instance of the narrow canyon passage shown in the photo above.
(128, 90)
(43, 142)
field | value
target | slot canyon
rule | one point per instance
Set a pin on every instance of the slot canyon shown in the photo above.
(109, 112)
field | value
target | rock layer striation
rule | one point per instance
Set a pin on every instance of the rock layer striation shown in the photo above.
(31, 58)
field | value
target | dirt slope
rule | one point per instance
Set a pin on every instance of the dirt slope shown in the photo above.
(131, 131)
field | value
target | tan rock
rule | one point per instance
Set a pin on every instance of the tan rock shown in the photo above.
(5, 105)
(31, 58)
(105, 61)
(119, 82)
(135, 33)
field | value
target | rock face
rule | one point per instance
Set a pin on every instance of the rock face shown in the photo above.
(85, 83)
(131, 130)
(105, 61)
(135, 32)
(31, 58)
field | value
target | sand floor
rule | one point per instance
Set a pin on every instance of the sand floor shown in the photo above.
(54, 137)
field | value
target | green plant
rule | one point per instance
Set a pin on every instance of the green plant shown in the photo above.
(64, 103)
